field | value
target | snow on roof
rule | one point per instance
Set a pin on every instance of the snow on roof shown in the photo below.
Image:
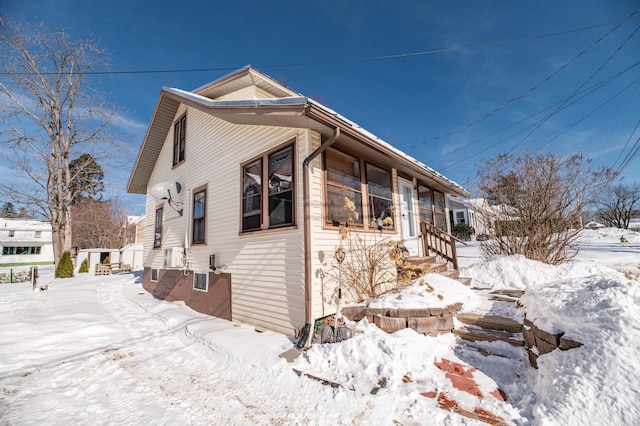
(17, 224)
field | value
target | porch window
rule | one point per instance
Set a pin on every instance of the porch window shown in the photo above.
(438, 210)
(179, 139)
(154, 274)
(426, 204)
(199, 222)
(157, 233)
(272, 205)
(342, 180)
(380, 197)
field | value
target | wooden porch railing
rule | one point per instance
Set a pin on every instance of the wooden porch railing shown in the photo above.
(440, 243)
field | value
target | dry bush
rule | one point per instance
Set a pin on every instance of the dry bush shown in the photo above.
(535, 203)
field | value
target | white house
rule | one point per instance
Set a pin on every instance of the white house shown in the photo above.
(246, 181)
(25, 242)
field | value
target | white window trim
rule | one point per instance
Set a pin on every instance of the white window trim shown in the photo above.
(206, 283)
(157, 271)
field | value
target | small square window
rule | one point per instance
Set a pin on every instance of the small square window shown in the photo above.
(154, 275)
(38, 234)
(12, 233)
(200, 281)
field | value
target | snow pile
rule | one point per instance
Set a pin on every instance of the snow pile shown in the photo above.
(101, 350)
(596, 383)
(431, 291)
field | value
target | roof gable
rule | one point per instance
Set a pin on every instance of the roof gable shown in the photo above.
(247, 77)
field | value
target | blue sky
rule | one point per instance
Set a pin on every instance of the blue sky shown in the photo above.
(435, 107)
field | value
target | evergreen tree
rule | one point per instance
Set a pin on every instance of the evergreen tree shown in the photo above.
(84, 266)
(65, 266)
(8, 210)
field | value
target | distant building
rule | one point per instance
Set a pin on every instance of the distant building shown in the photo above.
(135, 230)
(25, 242)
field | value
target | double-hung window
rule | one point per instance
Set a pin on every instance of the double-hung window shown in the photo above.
(199, 216)
(268, 191)
(179, 139)
(157, 232)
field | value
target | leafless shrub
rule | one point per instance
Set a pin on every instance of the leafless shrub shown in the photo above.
(535, 203)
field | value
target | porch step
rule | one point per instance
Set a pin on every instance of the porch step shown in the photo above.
(480, 334)
(491, 322)
(421, 260)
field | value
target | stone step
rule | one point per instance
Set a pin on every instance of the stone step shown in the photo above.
(473, 335)
(516, 294)
(491, 322)
(465, 280)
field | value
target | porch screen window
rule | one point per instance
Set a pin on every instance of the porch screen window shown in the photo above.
(251, 196)
(157, 234)
(199, 203)
(280, 189)
(343, 180)
(179, 140)
(380, 197)
(438, 210)
(426, 204)
(272, 205)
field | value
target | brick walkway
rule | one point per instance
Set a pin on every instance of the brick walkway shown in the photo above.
(461, 377)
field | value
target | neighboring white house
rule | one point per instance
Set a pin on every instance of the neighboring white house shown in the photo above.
(134, 232)
(25, 242)
(472, 211)
(246, 183)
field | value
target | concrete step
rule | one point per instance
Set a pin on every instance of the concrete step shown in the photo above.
(476, 334)
(491, 322)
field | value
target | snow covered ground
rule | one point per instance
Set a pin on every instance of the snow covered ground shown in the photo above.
(100, 350)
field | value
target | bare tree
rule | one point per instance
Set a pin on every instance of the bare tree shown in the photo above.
(48, 116)
(618, 204)
(535, 204)
(98, 224)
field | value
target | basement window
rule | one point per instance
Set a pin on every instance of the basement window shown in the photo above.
(200, 281)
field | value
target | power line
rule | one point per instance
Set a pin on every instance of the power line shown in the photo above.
(348, 60)
(532, 89)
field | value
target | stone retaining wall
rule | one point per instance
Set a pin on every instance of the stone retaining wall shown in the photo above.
(428, 321)
(18, 277)
(539, 342)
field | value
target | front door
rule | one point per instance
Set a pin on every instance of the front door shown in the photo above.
(408, 216)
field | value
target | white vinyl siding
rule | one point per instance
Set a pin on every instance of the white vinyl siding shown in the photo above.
(267, 268)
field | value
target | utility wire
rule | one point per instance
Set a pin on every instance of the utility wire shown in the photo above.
(350, 60)
(532, 89)
(583, 94)
(575, 92)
